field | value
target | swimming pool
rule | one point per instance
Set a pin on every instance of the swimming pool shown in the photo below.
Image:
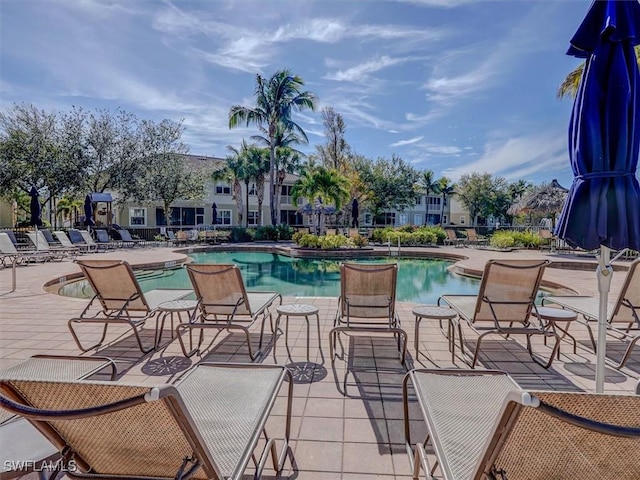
(419, 280)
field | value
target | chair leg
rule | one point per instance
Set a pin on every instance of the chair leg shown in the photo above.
(627, 353)
(77, 340)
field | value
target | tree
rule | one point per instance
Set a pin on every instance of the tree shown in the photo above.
(328, 186)
(165, 176)
(569, 86)
(474, 192)
(36, 149)
(388, 183)
(67, 208)
(276, 99)
(447, 190)
(335, 153)
(259, 160)
(233, 173)
(429, 185)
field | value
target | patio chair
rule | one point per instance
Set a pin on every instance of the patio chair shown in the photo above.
(24, 448)
(504, 305)
(65, 241)
(42, 245)
(127, 239)
(483, 426)
(10, 256)
(452, 238)
(210, 424)
(474, 239)
(102, 238)
(119, 300)
(367, 303)
(623, 318)
(225, 304)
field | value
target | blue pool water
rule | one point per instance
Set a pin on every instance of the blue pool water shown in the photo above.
(419, 280)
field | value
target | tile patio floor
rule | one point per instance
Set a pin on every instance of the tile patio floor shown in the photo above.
(358, 435)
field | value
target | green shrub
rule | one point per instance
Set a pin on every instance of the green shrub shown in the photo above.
(267, 232)
(285, 231)
(308, 240)
(241, 234)
(359, 241)
(333, 241)
(528, 239)
(502, 239)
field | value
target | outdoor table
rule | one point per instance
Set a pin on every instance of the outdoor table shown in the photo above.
(296, 310)
(552, 316)
(435, 312)
(169, 309)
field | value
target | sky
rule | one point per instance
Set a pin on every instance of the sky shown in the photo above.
(453, 86)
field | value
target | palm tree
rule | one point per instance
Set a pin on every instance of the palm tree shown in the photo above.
(67, 208)
(287, 158)
(276, 99)
(234, 172)
(447, 189)
(569, 86)
(259, 157)
(429, 185)
(328, 186)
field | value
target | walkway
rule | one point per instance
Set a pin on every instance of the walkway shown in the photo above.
(354, 436)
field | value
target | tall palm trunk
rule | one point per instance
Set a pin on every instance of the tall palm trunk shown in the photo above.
(260, 195)
(246, 197)
(272, 175)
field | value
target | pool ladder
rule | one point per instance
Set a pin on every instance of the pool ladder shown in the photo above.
(391, 252)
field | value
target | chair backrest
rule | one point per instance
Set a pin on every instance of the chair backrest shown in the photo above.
(11, 235)
(39, 241)
(47, 234)
(560, 447)
(86, 236)
(102, 236)
(125, 235)
(114, 284)
(219, 289)
(113, 429)
(181, 235)
(627, 307)
(545, 233)
(368, 290)
(472, 236)
(75, 236)
(171, 235)
(508, 290)
(451, 234)
(6, 245)
(63, 238)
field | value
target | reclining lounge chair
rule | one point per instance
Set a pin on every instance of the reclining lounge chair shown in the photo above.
(224, 304)
(504, 304)
(208, 425)
(119, 299)
(367, 303)
(623, 319)
(483, 426)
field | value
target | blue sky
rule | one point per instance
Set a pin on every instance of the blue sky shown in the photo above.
(454, 86)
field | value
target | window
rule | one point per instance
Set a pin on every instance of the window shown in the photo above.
(253, 217)
(252, 189)
(223, 189)
(224, 217)
(435, 201)
(418, 200)
(417, 219)
(462, 220)
(403, 219)
(445, 219)
(138, 216)
(182, 216)
(368, 219)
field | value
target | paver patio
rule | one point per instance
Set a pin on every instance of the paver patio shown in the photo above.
(355, 435)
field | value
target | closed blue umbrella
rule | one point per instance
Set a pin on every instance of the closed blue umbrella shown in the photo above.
(355, 213)
(35, 210)
(214, 214)
(603, 206)
(88, 211)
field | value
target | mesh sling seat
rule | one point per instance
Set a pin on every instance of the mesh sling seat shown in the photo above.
(23, 448)
(367, 303)
(623, 318)
(504, 305)
(119, 299)
(10, 256)
(481, 425)
(452, 238)
(41, 244)
(65, 241)
(473, 238)
(225, 304)
(206, 426)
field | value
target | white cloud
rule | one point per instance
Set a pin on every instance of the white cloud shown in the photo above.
(360, 73)
(438, 3)
(519, 157)
(407, 142)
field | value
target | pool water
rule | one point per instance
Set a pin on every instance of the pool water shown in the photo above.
(419, 280)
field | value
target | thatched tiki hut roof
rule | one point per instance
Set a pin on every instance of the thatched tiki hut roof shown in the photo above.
(547, 199)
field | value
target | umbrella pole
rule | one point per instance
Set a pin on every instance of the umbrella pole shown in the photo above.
(604, 273)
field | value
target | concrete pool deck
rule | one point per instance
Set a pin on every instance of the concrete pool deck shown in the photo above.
(334, 436)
